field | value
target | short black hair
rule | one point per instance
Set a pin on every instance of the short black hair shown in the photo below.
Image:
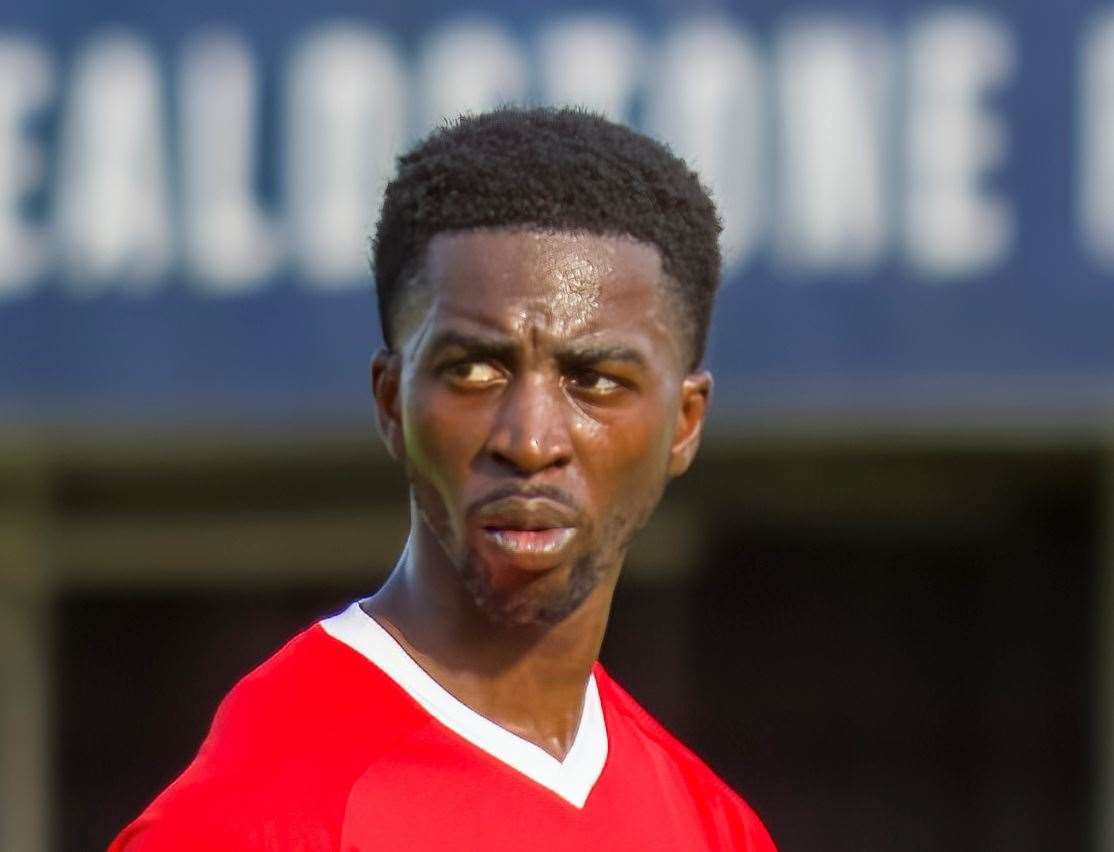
(556, 169)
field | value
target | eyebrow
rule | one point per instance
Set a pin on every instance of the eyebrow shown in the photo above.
(579, 355)
(504, 349)
(475, 344)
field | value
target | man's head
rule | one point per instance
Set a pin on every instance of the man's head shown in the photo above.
(553, 169)
(545, 280)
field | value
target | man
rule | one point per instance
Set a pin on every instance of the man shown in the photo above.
(545, 279)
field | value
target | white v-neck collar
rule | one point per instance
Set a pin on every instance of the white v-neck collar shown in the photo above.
(572, 779)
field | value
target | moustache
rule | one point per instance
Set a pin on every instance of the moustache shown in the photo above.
(525, 492)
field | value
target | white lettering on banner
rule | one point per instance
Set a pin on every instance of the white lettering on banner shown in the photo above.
(953, 226)
(26, 85)
(346, 120)
(706, 101)
(833, 156)
(1096, 155)
(228, 245)
(795, 144)
(113, 209)
(469, 67)
(590, 62)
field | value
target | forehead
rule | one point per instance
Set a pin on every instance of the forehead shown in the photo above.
(547, 257)
(561, 282)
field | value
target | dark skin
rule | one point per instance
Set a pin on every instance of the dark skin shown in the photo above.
(540, 398)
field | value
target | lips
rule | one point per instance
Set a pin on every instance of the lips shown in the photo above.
(527, 527)
(530, 542)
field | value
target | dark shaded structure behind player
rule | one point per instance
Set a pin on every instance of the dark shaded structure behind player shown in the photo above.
(878, 602)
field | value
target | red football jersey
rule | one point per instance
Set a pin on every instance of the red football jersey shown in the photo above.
(342, 742)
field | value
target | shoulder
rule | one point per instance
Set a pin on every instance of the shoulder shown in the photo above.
(725, 813)
(284, 746)
(316, 696)
(651, 735)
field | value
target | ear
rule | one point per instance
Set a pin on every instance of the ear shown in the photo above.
(386, 378)
(696, 391)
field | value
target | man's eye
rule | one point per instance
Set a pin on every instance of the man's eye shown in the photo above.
(589, 381)
(473, 373)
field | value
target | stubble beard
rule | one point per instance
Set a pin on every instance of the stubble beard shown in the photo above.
(524, 606)
(530, 604)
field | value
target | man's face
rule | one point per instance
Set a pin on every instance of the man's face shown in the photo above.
(539, 400)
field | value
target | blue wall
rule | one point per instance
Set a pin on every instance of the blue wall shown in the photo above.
(914, 194)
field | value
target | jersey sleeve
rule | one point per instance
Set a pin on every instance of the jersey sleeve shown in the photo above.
(230, 808)
(739, 828)
(220, 828)
(256, 784)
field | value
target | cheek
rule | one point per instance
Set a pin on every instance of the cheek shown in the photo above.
(625, 457)
(441, 440)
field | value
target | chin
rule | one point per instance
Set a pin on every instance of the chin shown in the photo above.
(541, 601)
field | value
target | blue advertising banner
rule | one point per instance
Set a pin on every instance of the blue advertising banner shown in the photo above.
(918, 197)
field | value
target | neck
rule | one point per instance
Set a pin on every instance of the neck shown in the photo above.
(530, 679)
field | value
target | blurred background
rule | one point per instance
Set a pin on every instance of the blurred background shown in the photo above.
(880, 603)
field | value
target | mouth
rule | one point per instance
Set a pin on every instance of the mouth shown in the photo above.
(529, 530)
(530, 542)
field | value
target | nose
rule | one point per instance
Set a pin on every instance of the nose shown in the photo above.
(530, 433)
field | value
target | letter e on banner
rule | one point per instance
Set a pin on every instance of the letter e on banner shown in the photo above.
(953, 226)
